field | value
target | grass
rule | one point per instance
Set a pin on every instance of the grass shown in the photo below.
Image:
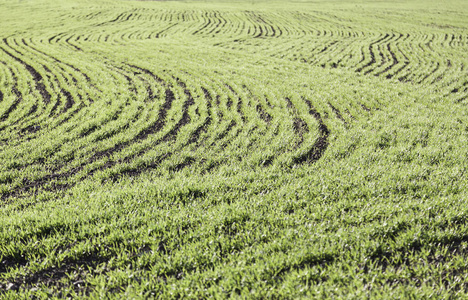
(233, 149)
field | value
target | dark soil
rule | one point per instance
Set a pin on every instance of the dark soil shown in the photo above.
(337, 113)
(319, 147)
(52, 277)
(263, 114)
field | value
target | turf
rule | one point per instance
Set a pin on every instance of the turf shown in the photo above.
(246, 149)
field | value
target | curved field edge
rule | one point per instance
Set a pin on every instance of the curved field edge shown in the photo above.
(149, 149)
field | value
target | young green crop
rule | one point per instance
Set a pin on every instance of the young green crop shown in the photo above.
(233, 149)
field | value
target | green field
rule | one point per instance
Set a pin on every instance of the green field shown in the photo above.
(215, 149)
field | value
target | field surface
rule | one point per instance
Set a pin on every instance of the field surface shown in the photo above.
(313, 149)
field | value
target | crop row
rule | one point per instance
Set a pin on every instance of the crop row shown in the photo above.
(143, 119)
(433, 56)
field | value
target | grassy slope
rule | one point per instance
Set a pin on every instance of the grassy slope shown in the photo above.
(381, 213)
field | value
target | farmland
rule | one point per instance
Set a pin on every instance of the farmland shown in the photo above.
(233, 149)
